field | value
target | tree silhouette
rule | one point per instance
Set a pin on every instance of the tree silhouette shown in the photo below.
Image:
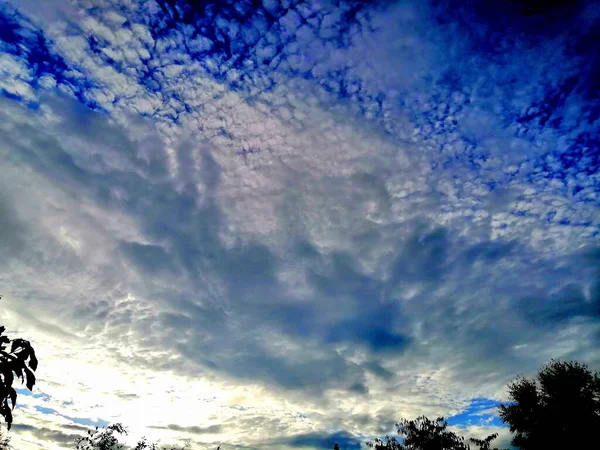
(559, 408)
(484, 444)
(19, 361)
(103, 439)
(106, 439)
(426, 434)
(145, 445)
(387, 443)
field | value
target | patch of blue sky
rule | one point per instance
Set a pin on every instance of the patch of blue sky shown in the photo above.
(28, 393)
(21, 38)
(18, 36)
(87, 421)
(79, 420)
(481, 412)
(50, 411)
(226, 38)
(45, 410)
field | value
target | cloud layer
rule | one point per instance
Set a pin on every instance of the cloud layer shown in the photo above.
(281, 223)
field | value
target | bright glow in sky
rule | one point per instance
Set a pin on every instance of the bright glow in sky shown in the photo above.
(281, 224)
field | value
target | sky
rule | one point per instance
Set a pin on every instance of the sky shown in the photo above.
(282, 224)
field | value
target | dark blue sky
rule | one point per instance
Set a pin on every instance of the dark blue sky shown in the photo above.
(295, 222)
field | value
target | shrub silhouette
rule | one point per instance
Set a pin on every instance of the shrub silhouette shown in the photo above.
(21, 361)
(559, 408)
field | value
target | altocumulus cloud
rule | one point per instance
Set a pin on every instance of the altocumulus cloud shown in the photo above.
(283, 223)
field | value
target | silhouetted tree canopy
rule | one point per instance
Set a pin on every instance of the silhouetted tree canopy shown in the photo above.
(145, 445)
(559, 408)
(106, 439)
(20, 360)
(103, 439)
(426, 434)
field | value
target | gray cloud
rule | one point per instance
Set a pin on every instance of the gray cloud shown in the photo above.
(212, 429)
(60, 436)
(342, 304)
(315, 440)
(13, 232)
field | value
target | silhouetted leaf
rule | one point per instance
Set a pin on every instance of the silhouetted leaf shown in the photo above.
(30, 378)
(14, 363)
(13, 396)
(33, 362)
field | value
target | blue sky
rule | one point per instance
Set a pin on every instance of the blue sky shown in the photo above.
(277, 224)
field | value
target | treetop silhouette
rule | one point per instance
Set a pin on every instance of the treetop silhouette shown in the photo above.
(423, 433)
(106, 439)
(21, 361)
(558, 408)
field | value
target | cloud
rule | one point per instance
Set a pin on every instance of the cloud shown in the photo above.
(13, 231)
(46, 434)
(212, 429)
(315, 440)
(294, 210)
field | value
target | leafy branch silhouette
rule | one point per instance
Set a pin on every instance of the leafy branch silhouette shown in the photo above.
(21, 361)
